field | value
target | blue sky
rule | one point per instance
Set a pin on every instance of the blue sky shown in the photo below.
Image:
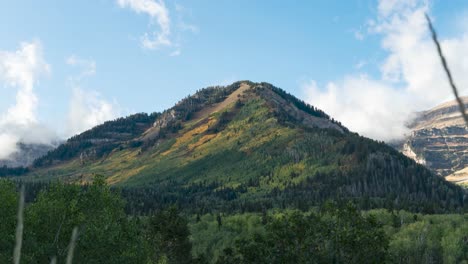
(93, 51)
(273, 41)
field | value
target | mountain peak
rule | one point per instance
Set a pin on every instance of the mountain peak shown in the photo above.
(245, 139)
(216, 99)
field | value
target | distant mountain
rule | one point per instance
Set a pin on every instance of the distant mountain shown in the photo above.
(245, 146)
(26, 154)
(439, 140)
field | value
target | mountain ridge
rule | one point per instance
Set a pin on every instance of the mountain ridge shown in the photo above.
(245, 142)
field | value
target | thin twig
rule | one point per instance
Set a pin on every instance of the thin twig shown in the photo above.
(71, 247)
(461, 105)
(58, 231)
(19, 229)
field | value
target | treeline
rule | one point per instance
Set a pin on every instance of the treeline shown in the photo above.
(331, 234)
(16, 171)
(100, 140)
(334, 234)
(122, 128)
(107, 235)
(200, 198)
(300, 104)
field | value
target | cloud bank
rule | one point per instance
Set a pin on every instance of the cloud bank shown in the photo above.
(19, 71)
(86, 108)
(411, 76)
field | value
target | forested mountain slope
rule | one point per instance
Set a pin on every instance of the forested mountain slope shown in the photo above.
(246, 146)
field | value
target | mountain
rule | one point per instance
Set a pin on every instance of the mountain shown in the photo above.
(439, 140)
(245, 146)
(26, 154)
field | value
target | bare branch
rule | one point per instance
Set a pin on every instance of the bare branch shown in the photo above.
(461, 105)
(19, 229)
(71, 247)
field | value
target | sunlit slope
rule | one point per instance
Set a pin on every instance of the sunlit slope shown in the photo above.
(251, 143)
(254, 140)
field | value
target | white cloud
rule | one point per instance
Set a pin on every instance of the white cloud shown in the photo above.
(367, 106)
(7, 145)
(175, 53)
(411, 75)
(20, 70)
(165, 31)
(389, 7)
(87, 108)
(158, 14)
(88, 65)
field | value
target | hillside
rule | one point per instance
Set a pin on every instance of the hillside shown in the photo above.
(246, 146)
(438, 140)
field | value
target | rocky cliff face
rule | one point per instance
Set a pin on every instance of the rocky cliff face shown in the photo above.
(439, 140)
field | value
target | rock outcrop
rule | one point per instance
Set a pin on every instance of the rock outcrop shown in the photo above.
(439, 140)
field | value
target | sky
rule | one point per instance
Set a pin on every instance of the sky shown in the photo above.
(66, 66)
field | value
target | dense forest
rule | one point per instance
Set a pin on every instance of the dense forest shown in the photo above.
(16, 171)
(335, 232)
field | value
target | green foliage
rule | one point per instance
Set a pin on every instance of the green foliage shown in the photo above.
(332, 233)
(209, 240)
(335, 235)
(106, 234)
(169, 237)
(425, 238)
(8, 209)
(353, 238)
